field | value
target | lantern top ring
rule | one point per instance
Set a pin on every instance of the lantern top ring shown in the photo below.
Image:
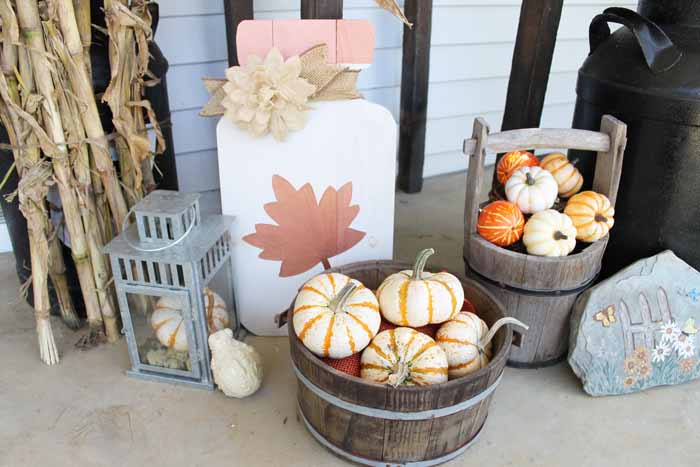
(125, 225)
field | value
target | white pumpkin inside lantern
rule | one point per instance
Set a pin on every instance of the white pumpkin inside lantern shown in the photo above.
(169, 326)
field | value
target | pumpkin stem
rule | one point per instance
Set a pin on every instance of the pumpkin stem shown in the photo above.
(601, 218)
(400, 375)
(494, 329)
(529, 179)
(560, 236)
(419, 265)
(337, 304)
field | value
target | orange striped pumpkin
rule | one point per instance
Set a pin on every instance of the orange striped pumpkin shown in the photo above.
(169, 326)
(415, 298)
(567, 176)
(459, 338)
(404, 357)
(335, 316)
(513, 161)
(501, 223)
(592, 215)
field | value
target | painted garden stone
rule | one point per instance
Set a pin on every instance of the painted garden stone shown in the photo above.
(636, 330)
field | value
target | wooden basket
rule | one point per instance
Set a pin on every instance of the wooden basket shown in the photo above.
(375, 424)
(539, 291)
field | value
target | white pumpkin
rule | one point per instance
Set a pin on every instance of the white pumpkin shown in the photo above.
(335, 316)
(236, 366)
(532, 189)
(415, 298)
(169, 326)
(460, 338)
(404, 356)
(568, 178)
(549, 233)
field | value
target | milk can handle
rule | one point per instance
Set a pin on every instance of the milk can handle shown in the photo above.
(659, 52)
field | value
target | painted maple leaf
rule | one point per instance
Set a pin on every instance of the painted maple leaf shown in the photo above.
(307, 232)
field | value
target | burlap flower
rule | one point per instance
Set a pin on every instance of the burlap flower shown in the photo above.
(267, 96)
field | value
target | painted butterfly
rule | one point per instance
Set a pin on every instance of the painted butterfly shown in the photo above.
(606, 316)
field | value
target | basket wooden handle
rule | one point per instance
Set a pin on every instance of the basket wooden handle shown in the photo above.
(609, 143)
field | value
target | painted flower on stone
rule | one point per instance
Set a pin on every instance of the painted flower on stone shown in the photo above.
(267, 96)
(642, 354)
(644, 370)
(631, 366)
(660, 352)
(669, 332)
(687, 365)
(685, 346)
(630, 381)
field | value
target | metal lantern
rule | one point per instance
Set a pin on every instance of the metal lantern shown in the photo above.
(173, 277)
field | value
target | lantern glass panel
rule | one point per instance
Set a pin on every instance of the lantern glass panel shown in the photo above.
(162, 327)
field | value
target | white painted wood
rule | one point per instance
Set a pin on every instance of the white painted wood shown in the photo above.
(5, 244)
(346, 141)
(465, 33)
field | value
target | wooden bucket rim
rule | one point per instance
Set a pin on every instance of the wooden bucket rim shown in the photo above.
(502, 351)
(543, 259)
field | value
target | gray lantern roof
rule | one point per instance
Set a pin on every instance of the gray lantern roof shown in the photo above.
(193, 247)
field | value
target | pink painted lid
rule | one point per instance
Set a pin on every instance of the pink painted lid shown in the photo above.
(349, 41)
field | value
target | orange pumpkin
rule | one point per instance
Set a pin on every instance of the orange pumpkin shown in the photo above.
(513, 161)
(501, 223)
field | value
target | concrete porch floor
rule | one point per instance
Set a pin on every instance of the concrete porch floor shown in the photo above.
(86, 412)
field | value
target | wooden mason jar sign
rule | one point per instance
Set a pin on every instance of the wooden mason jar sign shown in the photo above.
(323, 197)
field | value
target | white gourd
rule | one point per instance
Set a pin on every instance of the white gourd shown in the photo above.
(236, 366)
(169, 326)
(415, 298)
(532, 189)
(404, 356)
(335, 316)
(460, 338)
(549, 233)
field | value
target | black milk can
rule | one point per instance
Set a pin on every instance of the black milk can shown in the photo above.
(647, 74)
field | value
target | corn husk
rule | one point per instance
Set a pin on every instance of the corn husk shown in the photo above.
(393, 7)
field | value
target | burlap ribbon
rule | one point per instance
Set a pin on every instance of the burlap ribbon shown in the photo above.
(332, 82)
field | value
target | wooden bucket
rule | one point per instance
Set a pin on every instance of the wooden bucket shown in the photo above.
(538, 291)
(378, 425)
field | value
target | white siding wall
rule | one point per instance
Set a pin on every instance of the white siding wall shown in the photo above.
(471, 54)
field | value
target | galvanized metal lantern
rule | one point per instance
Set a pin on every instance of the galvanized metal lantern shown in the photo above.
(173, 277)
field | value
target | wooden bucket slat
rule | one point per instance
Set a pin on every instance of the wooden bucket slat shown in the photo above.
(393, 440)
(537, 290)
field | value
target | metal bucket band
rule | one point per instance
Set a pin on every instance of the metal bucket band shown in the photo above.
(375, 463)
(389, 414)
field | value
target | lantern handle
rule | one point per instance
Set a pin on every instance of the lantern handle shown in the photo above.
(160, 248)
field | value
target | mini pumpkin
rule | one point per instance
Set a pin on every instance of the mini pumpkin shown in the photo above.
(415, 298)
(169, 326)
(567, 176)
(404, 357)
(592, 215)
(549, 233)
(460, 338)
(335, 316)
(532, 189)
(501, 223)
(513, 161)
(466, 340)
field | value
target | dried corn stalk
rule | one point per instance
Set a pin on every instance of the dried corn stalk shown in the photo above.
(393, 7)
(49, 108)
(129, 33)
